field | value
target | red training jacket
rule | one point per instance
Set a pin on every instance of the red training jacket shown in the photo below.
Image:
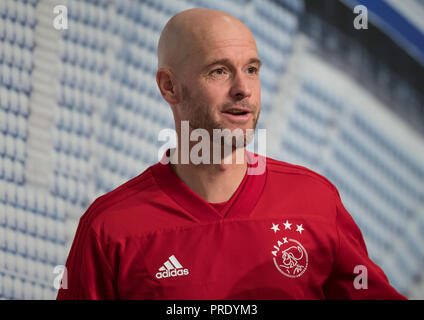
(284, 234)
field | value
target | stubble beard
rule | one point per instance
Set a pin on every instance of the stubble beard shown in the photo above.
(200, 117)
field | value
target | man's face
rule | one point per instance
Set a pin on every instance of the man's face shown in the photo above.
(221, 87)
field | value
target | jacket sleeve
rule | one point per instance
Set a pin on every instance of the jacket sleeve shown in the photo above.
(354, 275)
(89, 274)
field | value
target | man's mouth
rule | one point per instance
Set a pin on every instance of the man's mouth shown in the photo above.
(237, 111)
(237, 114)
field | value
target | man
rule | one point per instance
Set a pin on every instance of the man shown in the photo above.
(211, 230)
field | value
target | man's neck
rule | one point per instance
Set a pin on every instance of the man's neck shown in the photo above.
(214, 183)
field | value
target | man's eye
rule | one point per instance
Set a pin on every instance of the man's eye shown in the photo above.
(218, 71)
(252, 70)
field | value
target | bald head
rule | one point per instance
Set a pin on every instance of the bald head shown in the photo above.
(208, 63)
(192, 32)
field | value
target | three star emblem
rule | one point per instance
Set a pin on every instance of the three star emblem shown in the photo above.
(287, 225)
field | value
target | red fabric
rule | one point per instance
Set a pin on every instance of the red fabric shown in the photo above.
(283, 234)
(218, 206)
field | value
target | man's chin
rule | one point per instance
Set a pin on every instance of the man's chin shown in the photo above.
(238, 141)
(244, 127)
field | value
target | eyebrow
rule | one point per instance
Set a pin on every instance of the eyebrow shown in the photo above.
(226, 61)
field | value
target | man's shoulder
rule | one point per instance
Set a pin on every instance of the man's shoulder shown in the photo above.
(302, 173)
(128, 195)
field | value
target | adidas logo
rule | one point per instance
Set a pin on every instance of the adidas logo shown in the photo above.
(171, 268)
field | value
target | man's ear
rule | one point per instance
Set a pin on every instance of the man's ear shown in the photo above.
(167, 85)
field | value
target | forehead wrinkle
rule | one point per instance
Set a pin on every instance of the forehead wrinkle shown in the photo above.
(180, 40)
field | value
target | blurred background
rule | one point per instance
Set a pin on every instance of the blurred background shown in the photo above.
(80, 114)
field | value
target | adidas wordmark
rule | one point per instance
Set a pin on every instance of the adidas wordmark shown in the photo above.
(171, 268)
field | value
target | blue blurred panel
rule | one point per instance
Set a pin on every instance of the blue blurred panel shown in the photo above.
(396, 25)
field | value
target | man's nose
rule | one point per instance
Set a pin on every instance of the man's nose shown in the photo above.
(240, 87)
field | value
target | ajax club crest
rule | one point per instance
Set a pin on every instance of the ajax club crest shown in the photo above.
(290, 257)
